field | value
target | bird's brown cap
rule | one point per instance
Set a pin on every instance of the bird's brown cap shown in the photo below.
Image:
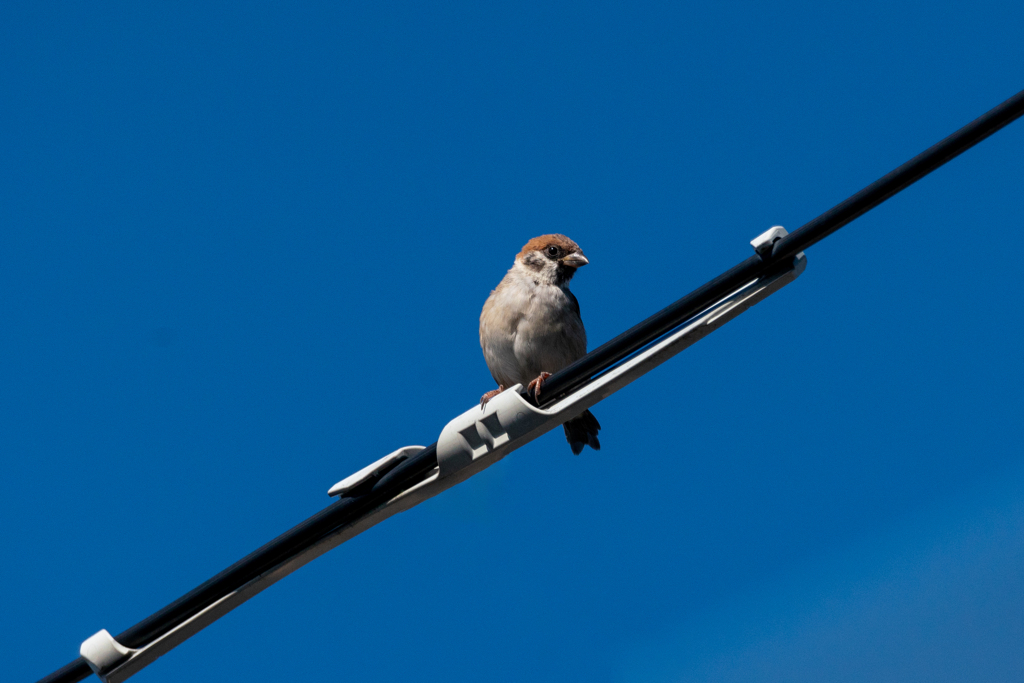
(544, 241)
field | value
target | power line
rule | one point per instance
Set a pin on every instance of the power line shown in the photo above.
(399, 474)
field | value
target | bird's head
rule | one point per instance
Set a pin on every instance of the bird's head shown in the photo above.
(551, 259)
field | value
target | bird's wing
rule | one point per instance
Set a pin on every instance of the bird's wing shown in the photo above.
(575, 304)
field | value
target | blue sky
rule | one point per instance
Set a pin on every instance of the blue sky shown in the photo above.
(243, 254)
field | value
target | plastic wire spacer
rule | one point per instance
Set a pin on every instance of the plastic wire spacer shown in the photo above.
(482, 436)
(103, 653)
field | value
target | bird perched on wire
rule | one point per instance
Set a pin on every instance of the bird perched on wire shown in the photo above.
(531, 327)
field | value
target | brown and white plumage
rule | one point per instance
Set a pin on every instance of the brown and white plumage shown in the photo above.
(530, 326)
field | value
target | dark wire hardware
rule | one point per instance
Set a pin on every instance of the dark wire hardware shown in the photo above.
(416, 468)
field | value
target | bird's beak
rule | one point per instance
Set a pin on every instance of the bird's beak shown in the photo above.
(575, 260)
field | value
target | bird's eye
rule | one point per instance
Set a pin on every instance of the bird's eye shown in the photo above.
(552, 251)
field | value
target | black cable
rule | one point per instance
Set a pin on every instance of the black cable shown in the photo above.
(69, 673)
(605, 356)
(410, 471)
(332, 518)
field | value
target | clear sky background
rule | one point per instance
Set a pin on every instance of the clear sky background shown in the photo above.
(243, 252)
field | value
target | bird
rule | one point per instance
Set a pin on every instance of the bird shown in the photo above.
(530, 326)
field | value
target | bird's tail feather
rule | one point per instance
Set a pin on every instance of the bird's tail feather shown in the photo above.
(582, 431)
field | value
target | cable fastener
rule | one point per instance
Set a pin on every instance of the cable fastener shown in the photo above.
(103, 653)
(764, 242)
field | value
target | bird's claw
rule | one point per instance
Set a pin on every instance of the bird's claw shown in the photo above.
(489, 395)
(534, 386)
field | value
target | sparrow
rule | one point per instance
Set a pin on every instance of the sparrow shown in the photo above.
(531, 327)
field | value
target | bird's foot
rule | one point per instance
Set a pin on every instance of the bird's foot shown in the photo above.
(534, 386)
(489, 395)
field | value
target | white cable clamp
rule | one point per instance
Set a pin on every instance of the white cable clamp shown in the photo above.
(483, 435)
(764, 242)
(103, 653)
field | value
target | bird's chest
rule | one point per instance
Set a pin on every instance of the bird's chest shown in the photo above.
(548, 313)
(526, 329)
(550, 334)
